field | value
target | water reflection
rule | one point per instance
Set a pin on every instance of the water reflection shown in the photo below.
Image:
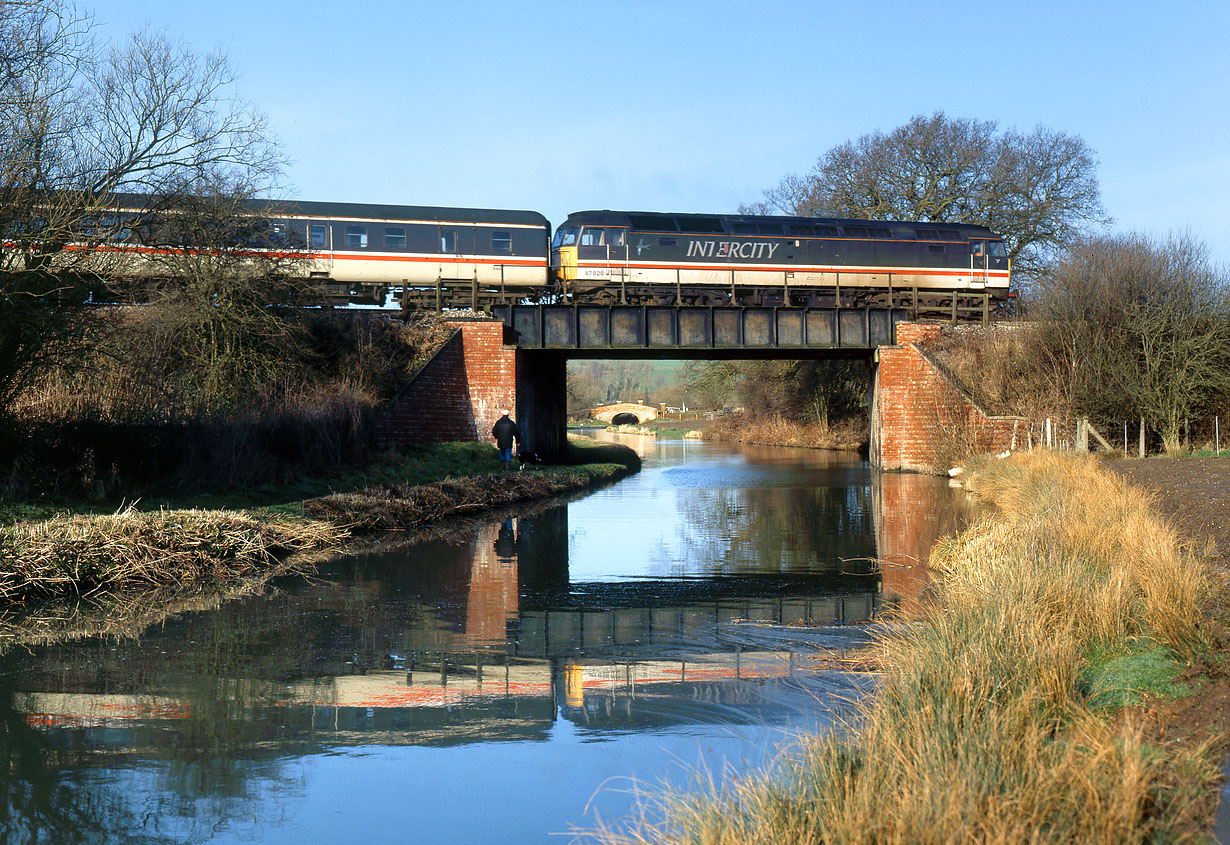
(683, 602)
(911, 512)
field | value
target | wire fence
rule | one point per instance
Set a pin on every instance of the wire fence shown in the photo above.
(1131, 437)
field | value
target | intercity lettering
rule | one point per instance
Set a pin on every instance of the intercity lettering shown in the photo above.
(731, 249)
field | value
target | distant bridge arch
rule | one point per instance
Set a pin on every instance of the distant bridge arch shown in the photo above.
(607, 413)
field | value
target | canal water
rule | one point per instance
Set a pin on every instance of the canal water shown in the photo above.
(520, 680)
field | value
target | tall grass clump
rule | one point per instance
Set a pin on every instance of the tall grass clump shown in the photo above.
(86, 554)
(984, 726)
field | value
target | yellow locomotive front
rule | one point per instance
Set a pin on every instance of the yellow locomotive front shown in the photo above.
(564, 256)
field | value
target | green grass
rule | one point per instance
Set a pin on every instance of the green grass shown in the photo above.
(1127, 675)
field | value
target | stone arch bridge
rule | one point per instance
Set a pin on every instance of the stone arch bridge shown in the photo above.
(608, 413)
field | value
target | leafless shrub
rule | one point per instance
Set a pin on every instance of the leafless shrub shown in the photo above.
(1135, 326)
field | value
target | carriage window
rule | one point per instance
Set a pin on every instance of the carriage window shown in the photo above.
(501, 242)
(356, 237)
(448, 240)
(318, 236)
(395, 237)
(591, 236)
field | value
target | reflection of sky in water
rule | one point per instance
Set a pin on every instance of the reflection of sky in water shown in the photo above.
(721, 513)
(294, 718)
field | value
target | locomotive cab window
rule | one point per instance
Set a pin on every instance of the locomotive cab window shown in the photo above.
(501, 242)
(356, 237)
(615, 237)
(978, 248)
(591, 236)
(996, 249)
(565, 237)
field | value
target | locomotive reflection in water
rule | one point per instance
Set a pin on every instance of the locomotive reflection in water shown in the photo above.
(513, 638)
(700, 601)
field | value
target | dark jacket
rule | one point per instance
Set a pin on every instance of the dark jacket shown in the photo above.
(505, 431)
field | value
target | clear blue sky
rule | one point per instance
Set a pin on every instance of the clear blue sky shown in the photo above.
(698, 106)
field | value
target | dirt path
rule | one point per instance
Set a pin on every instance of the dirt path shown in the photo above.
(1194, 494)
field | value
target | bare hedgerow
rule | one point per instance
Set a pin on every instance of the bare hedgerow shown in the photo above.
(1136, 326)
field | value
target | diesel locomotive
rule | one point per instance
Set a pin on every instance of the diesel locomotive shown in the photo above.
(700, 259)
(442, 257)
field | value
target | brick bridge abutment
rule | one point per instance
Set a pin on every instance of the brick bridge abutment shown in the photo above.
(919, 416)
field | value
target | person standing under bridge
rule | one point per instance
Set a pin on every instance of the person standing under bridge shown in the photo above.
(505, 432)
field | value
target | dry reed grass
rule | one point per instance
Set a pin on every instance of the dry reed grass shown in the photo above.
(981, 730)
(779, 431)
(84, 554)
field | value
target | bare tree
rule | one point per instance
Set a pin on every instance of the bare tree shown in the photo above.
(1135, 326)
(79, 125)
(1039, 190)
(229, 282)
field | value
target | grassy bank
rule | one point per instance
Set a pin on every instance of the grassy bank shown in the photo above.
(50, 555)
(84, 554)
(409, 504)
(399, 506)
(777, 431)
(999, 716)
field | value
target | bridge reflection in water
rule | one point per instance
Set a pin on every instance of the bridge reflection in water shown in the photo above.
(489, 637)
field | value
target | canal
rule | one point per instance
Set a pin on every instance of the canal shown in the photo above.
(512, 682)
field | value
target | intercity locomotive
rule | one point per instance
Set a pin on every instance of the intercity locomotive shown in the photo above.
(643, 257)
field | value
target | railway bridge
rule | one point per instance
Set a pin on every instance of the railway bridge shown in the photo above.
(517, 358)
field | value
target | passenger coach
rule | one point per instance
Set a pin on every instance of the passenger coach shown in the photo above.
(438, 255)
(766, 260)
(360, 251)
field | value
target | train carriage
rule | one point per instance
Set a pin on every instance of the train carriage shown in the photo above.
(359, 251)
(648, 257)
(437, 255)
